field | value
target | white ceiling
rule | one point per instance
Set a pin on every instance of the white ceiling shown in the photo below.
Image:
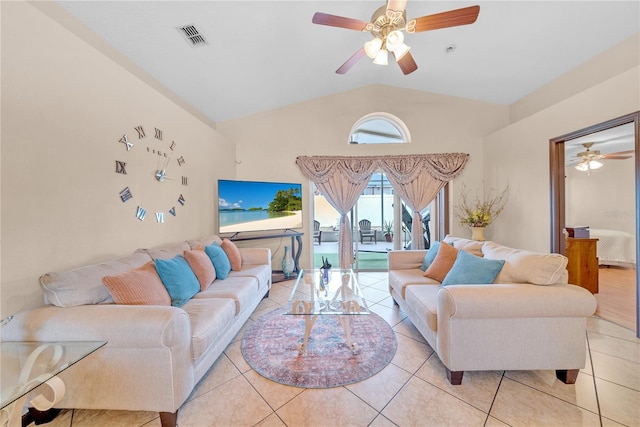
(263, 55)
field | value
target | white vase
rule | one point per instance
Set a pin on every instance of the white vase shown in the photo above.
(477, 233)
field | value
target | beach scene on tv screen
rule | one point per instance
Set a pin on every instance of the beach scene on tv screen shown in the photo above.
(258, 206)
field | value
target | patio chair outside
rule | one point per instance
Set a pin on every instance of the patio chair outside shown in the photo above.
(366, 231)
(317, 234)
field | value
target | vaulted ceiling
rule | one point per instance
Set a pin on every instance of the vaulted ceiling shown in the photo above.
(261, 55)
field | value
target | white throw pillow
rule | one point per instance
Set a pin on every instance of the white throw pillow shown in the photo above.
(472, 246)
(522, 266)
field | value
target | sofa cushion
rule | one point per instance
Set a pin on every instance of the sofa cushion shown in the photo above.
(202, 267)
(140, 286)
(472, 246)
(522, 266)
(429, 256)
(423, 301)
(261, 272)
(180, 281)
(400, 279)
(219, 259)
(242, 290)
(205, 241)
(209, 318)
(168, 251)
(233, 253)
(442, 263)
(84, 285)
(471, 269)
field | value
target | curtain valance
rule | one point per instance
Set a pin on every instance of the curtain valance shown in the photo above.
(444, 166)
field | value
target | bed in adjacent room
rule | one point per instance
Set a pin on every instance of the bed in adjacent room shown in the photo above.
(614, 247)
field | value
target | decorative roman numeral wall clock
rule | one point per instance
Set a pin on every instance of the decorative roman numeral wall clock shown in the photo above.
(164, 167)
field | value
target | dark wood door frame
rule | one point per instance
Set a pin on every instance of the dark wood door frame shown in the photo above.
(557, 184)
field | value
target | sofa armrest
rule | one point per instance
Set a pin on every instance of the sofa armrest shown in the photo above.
(147, 364)
(132, 326)
(259, 256)
(403, 260)
(521, 300)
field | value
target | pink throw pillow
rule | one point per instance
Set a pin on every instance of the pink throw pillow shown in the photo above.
(202, 267)
(141, 286)
(442, 263)
(233, 253)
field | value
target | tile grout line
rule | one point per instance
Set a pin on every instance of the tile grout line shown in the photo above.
(593, 376)
(486, 420)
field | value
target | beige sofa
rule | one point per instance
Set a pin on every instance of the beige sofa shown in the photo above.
(529, 318)
(155, 354)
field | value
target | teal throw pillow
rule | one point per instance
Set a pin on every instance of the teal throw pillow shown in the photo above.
(472, 269)
(180, 281)
(219, 259)
(430, 256)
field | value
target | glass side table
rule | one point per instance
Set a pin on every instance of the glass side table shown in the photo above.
(25, 366)
(334, 292)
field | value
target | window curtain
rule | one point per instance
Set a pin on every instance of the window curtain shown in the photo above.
(417, 178)
(341, 180)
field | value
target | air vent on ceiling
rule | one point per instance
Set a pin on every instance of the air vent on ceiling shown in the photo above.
(193, 35)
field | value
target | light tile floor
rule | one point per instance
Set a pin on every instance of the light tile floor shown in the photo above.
(412, 390)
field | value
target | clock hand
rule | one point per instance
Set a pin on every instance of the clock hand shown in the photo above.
(161, 174)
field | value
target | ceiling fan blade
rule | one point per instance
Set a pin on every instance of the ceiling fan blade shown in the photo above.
(452, 18)
(397, 5)
(406, 63)
(615, 157)
(621, 152)
(338, 21)
(351, 61)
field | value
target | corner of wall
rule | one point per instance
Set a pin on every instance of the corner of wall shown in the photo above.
(620, 58)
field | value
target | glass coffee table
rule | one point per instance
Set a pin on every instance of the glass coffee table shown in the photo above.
(26, 366)
(327, 293)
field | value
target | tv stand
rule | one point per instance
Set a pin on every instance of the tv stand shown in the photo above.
(296, 250)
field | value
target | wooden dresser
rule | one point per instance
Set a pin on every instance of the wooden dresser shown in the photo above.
(583, 263)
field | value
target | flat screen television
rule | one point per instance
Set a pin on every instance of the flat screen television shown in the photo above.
(258, 206)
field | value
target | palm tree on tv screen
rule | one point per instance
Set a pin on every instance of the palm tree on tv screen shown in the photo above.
(286, 200)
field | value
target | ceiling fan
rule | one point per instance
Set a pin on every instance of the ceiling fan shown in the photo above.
(387, 25)
(588, 159)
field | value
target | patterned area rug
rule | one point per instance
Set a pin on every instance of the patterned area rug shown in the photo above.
(269, 346)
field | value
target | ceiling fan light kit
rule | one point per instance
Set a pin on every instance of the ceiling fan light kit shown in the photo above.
(387, 25)
(588, 159)
(589, 165)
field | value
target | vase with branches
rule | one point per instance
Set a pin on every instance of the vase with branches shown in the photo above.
(482, 210)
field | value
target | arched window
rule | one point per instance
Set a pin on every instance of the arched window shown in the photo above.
(379, 128)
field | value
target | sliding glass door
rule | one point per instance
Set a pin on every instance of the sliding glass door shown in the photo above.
(380, 222)
(373, 226)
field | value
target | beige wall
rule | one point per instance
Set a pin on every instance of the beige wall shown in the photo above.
(438, 124)
(518, 155)
(64, 108)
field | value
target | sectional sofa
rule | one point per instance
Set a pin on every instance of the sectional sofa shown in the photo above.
(524, 318)
(155, 354)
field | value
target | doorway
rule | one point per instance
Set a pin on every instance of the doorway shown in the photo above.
(565, 152)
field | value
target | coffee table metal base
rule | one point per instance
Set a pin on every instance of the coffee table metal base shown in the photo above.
(310, 320)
